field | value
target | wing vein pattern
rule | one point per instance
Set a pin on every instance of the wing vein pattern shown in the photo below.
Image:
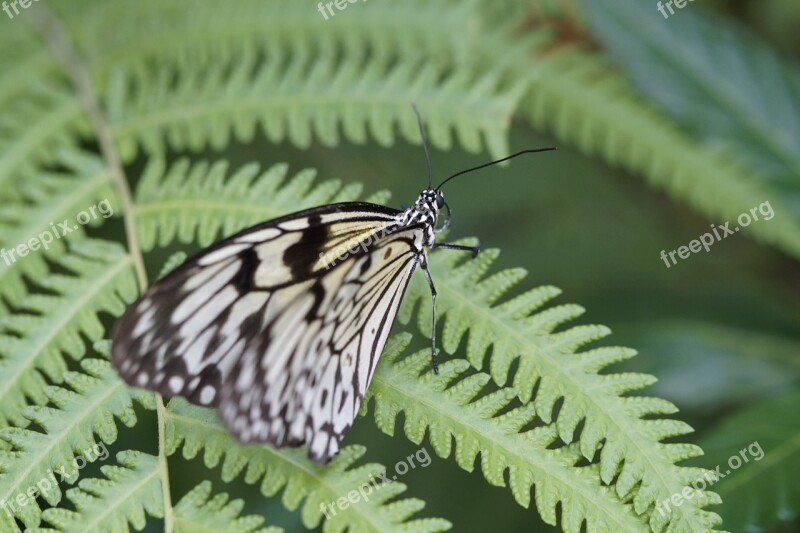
(279, 326)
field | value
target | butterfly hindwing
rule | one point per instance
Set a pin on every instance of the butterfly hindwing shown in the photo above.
(279, 326)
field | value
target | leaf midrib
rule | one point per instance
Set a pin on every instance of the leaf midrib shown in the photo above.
(120, 502)
(55, 440)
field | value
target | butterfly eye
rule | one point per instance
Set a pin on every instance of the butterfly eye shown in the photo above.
(439, 200)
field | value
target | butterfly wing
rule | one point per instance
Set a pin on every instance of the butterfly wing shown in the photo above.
(279, 326)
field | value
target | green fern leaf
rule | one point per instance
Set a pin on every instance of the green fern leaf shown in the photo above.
(408, 30)
(197, 429)
(98, 278)
(446, 407)
(198, 513)
(305, 101)
(588, 105)
(580, 98)
(632, 452)
(45, 203)
(129, 492)
(80, 415)
(299, 91)
(42, 120)
(632, 455)
(200, 202)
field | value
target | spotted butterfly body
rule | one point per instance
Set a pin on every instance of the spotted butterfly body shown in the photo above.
(280, 326)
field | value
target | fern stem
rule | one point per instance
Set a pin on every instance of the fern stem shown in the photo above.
(161, 413)
(54, 34)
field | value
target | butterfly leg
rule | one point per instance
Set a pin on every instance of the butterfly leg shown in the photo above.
(424, 266)
(434, 360)
(448, 246)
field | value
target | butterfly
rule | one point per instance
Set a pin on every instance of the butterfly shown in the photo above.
(280, 326)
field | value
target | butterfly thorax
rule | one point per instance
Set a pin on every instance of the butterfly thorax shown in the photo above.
(424, 212)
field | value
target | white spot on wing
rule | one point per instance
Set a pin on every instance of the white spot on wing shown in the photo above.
(144, 323)
(261, 235)
(207, 394)
(222, 253)
(175, 383)
(294, 225)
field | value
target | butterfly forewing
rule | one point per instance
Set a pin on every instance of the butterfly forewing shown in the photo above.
(279, 326)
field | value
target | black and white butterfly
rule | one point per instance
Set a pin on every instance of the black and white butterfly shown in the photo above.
(281, 325)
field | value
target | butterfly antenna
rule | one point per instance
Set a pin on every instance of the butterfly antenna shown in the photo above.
(424, 145)
(490, 163)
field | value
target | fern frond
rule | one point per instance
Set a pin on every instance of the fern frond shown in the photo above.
(45, 119)
(260, 71)
(82, 415)
(197, 203)
(586, 104)
(197, 429)
(302, 98)
(198, 513)
(176, 79)
(48, 327)
(390, 30)
(24, 63)
(453, 407)
(129, 492)
(627, 430)
(43, 204)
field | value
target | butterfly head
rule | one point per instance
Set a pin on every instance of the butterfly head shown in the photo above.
(428, 205)
(431, 199)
